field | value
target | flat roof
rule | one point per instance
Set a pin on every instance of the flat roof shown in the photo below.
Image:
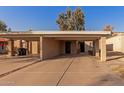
(37, 34)
(60, 32)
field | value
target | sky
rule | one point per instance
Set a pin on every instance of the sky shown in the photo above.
(22, 18)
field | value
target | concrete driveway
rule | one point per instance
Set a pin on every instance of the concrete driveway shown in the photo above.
(69, 70)
(8, 65)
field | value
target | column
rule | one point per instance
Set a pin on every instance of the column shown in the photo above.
(41, 48)
(97, 48)
(38, 47)
(73, 47)
(21, 45)
(10, 47)
(93, 48)
(103, 48)
(30, 52)
(27, 42)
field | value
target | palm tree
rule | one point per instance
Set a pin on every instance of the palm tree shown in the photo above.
(71, 21)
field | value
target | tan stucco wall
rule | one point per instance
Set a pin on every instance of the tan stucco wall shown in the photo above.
(62, 46)
(16, 43)
(50, 48)
(88, 46)
(115, 43)
(122, 43)
(34, 46)
(74, 47)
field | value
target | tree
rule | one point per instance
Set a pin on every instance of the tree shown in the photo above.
(30, 29)
(79, 19)
(61, 21)
(71, 21)
(9, 29)
(3, 26)
(108, 28)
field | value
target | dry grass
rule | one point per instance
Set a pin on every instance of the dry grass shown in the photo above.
(118, 69)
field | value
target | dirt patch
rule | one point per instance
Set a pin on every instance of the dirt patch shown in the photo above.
(118, 69)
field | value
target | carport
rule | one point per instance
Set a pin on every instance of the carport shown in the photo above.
(21, 36)
(52, 43)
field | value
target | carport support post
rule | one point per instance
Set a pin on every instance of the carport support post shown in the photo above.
(41, 47)
(38, 47)
(103, 48)
(94, 51)
(21, 45)
(74, 47)
(28, 46)
(30, 52)
(10, 47)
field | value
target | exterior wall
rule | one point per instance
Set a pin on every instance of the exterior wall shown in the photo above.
(88, 46)
(34, 46)
(74, 46)
(16, 43)
(62, 47)
(122, 43)
(54, 47)
(50, 48)
(115, 43)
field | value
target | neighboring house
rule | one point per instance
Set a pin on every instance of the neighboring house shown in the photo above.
(3, 45)
(116, 42)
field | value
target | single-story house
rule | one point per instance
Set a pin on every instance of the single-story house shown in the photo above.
(53, 43)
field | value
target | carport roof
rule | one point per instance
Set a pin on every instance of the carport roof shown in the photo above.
(37, 34)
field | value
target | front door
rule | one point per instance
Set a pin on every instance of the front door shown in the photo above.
(67, 47)
(82, 47)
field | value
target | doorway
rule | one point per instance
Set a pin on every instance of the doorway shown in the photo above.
(67, 47)
(82, 46)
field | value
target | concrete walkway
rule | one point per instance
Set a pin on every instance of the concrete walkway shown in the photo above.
(72, 70)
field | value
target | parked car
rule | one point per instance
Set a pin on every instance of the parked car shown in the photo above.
(21, 51)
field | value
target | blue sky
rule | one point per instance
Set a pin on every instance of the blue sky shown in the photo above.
(22, 18)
